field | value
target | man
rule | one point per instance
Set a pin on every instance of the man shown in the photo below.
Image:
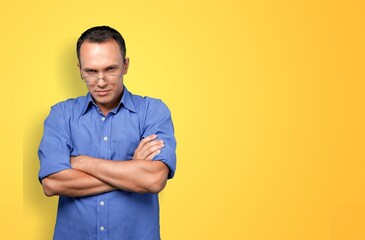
(107, 154)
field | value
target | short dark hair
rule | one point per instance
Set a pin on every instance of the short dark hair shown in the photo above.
(101, 34)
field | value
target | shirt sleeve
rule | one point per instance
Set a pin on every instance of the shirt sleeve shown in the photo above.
(55, 148)
(158, 121)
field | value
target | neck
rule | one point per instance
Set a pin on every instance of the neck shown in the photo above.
(104, 110)
(107, 107)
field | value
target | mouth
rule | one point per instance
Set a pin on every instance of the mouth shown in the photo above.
(102, 92)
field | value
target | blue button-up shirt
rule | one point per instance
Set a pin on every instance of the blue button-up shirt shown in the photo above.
(76, 127)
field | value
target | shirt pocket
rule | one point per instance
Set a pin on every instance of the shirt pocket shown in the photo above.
(124, 149)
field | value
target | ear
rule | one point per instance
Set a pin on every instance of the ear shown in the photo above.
(79, 66)
(125, 65)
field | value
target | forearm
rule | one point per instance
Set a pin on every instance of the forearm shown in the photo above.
(74, 183)
(135, 175)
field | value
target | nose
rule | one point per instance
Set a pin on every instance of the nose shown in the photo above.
(102, 83)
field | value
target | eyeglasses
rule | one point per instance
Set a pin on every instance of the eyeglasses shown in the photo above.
(92, 80)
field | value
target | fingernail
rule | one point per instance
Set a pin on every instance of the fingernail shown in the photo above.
(158, 151)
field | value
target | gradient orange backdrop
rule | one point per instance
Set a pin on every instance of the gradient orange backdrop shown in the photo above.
(267, 98)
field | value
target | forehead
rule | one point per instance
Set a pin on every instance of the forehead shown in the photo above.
(94, 55)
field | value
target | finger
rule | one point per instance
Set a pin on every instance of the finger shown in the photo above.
(152, 143)
(149, 138)
(152, 147)
(152, 150)
(146, 140)
(148, 148)
(147, 145)
(152, 155)
(138, 153)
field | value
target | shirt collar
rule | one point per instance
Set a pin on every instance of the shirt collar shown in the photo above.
(126, 101)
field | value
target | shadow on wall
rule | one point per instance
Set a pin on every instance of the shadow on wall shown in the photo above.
(39, 210)
(71, 82)
(36, 205)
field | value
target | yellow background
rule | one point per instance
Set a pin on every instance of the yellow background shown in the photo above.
(267, 100)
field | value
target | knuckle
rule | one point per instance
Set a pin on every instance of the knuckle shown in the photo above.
(155, 148)
(151, 143)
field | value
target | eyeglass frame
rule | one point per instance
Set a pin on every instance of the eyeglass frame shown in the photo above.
(104, 77)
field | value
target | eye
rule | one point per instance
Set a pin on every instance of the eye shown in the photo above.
(110, 69)
(90, 71)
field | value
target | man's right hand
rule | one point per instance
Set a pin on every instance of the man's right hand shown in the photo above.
(148, 148)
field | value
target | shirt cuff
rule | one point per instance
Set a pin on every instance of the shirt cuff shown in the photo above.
(52, 165)
(168, 157)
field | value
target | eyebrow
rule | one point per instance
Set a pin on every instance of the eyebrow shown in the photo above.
(88, 69)
(92, 69)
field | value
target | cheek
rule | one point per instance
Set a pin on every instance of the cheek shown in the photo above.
(89, 88)
(118, 87)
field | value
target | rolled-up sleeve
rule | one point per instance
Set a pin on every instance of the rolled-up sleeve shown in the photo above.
(158, 121)
(55, 148)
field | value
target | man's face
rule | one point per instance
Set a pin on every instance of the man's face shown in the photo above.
(100, 60)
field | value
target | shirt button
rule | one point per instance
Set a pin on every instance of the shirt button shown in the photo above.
(102, 203)
(103, 118)
(102, 228)
(105, 138)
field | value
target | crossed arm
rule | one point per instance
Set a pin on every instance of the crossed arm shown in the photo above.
(90, 176)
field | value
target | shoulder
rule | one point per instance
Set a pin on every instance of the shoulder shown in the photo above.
(148, 104)
(70, 106)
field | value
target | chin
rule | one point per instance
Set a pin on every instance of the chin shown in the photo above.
(104, 101)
